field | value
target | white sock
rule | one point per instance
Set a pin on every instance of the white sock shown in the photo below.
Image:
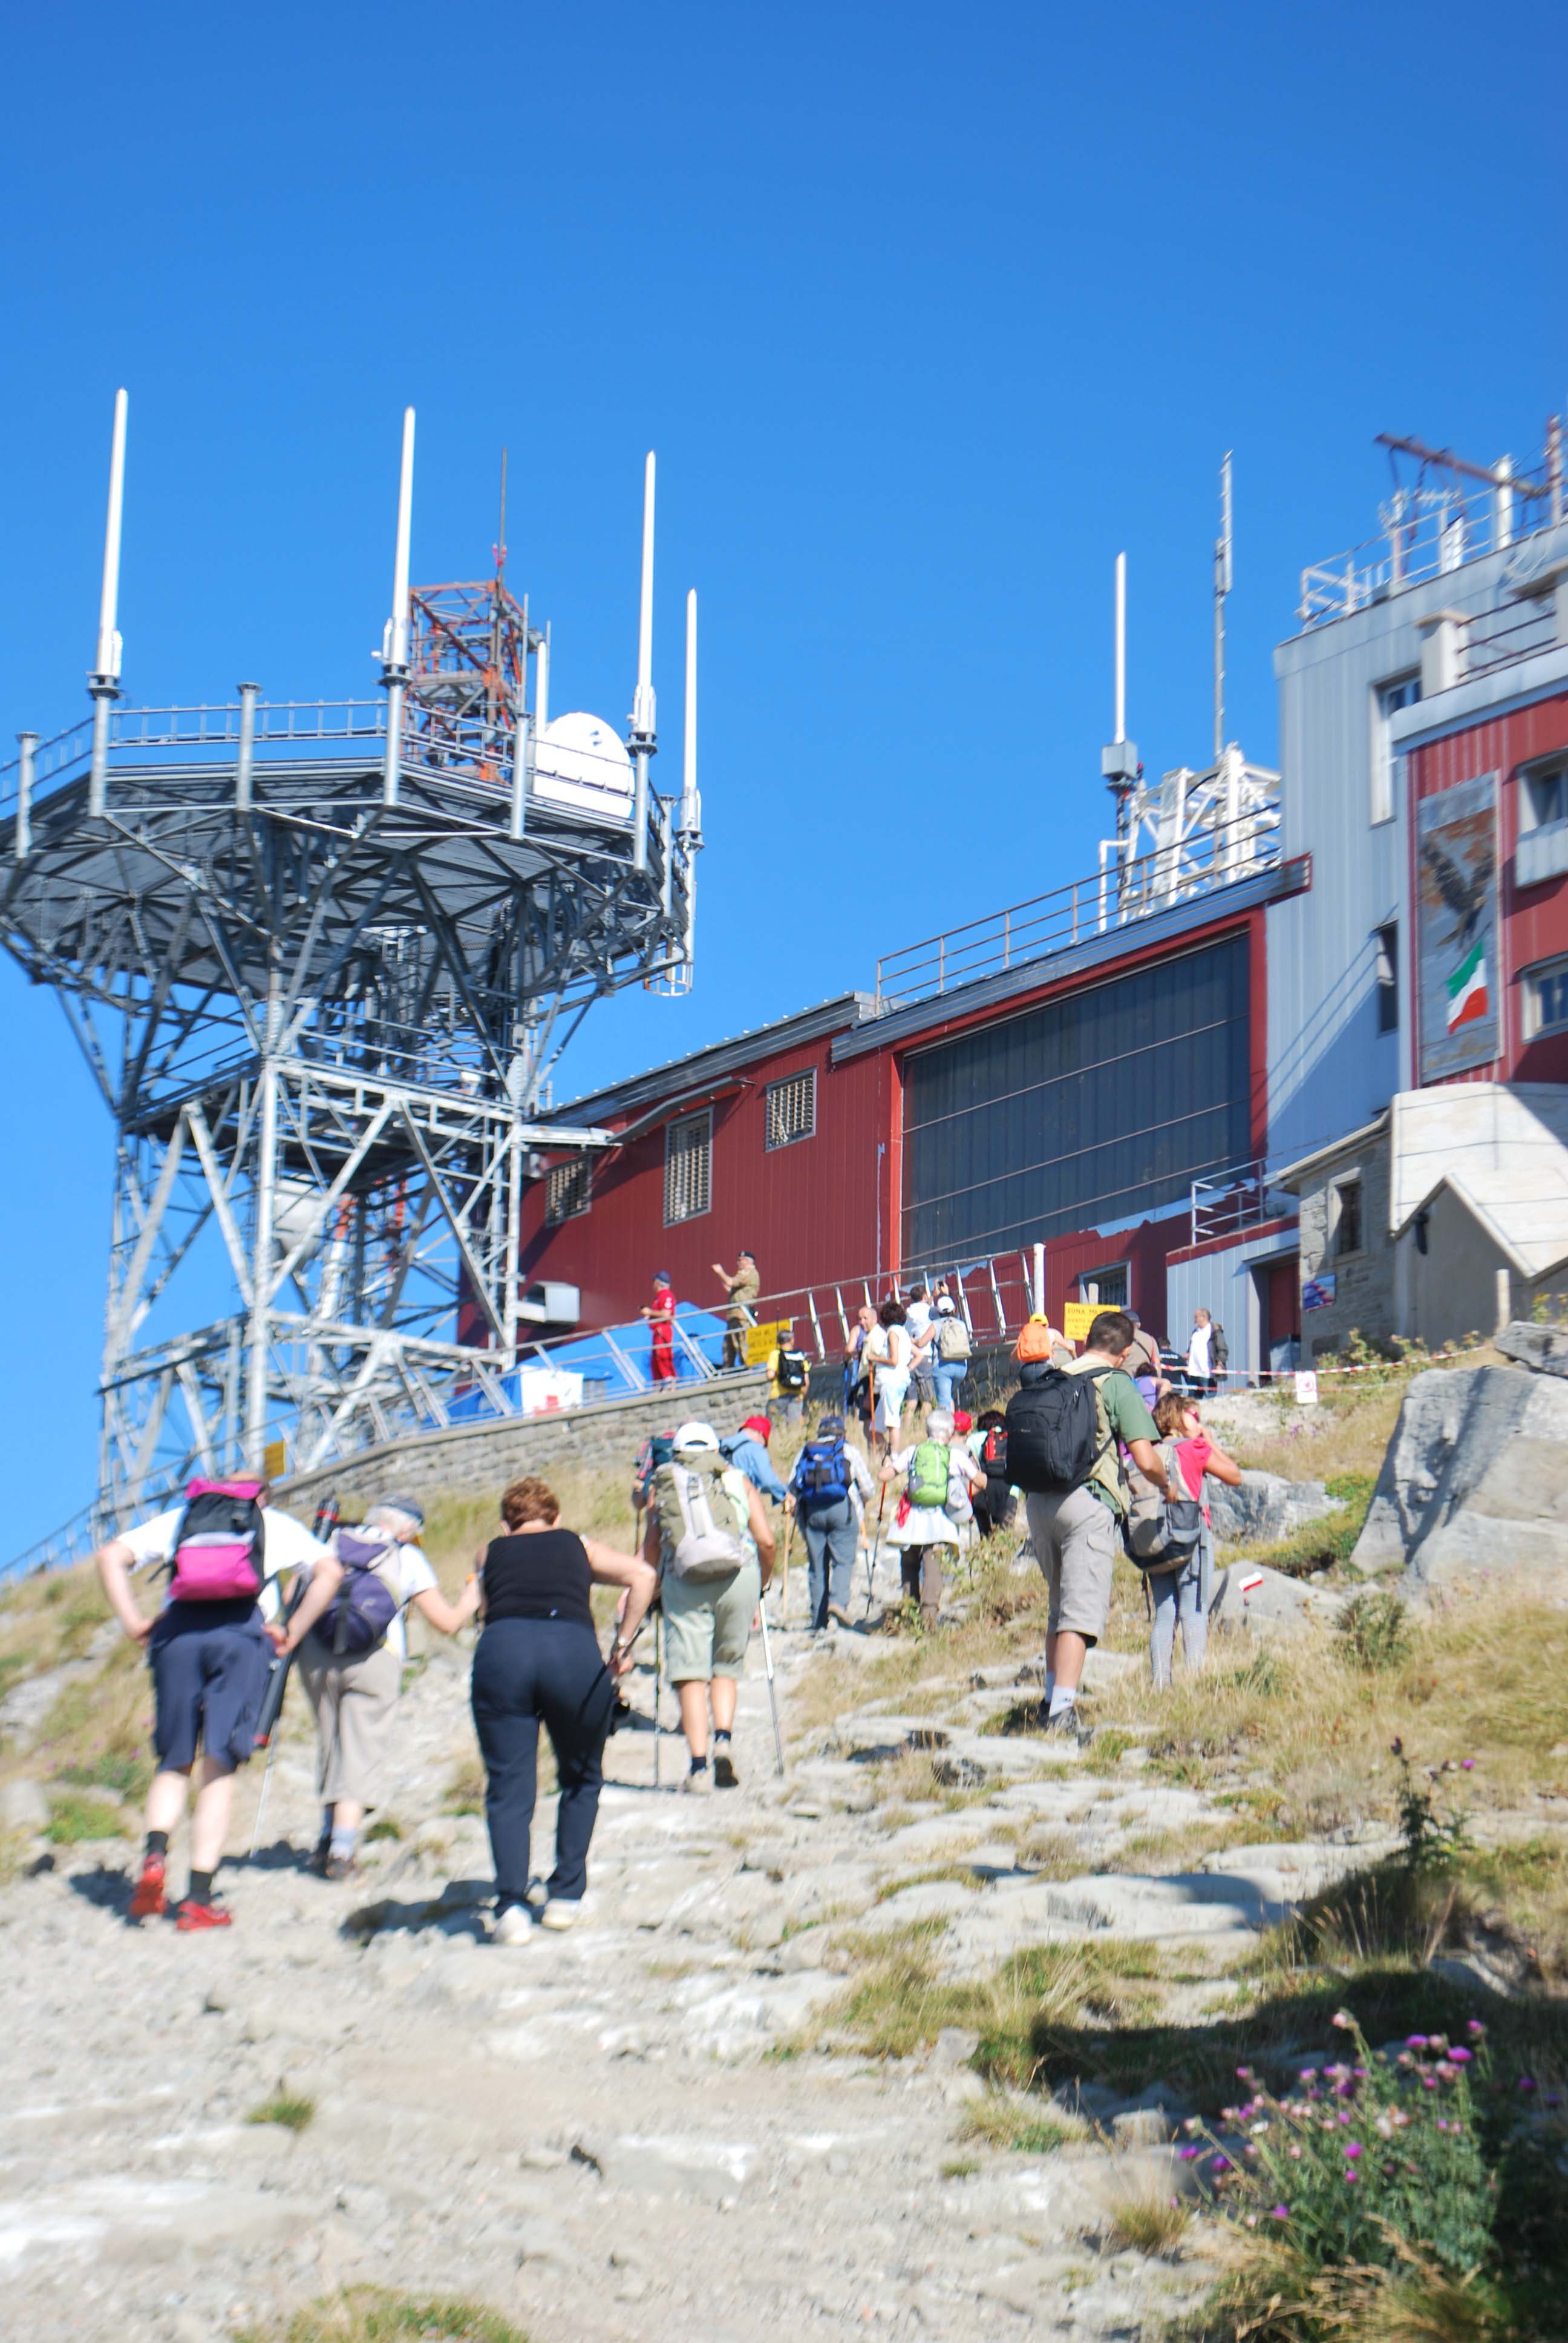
(1050, 1684)
(1063, 1698)
(344, 1839)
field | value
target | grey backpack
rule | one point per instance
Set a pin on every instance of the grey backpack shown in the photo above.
(700, 1524)
(1163, 1532)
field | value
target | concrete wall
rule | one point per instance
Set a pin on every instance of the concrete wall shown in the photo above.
(1452, 1290)
(1364, 1281)
(474, 1458)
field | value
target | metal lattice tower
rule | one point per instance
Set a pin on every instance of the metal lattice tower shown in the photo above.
(319, 958)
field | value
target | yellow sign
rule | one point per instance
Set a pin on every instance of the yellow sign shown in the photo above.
(762, 1341)
(1077, 1318)
(275, 1460)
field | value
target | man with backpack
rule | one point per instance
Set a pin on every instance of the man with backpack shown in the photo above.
(709, 1537)
(351, 1666)
(948, 1340)
(994, 1503)
(789, 1372)
(828, 1483)
(937, 1474)
(1065, 1428)
(209, 1653)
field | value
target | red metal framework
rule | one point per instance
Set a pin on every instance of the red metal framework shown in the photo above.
(467, 653)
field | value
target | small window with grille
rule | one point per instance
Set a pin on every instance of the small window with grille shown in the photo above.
(791, 1109)
(567, 1192)
(688, 1167)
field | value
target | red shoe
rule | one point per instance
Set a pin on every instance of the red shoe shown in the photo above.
(202, 1915)
(148, 1901)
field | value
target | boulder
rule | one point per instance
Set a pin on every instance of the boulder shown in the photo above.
(23, 1805)
(1265, 1508)
(1280, 1606)
(1544, 1347)
(1475, 1481)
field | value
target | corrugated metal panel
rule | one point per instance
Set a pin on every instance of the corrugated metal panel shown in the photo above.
(1222, 1283)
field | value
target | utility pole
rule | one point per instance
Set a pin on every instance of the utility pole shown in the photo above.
(1221, 588)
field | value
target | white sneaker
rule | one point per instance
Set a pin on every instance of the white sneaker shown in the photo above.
(512, 1926)
(559, 1912)
(699, 1783)
(536, 1894)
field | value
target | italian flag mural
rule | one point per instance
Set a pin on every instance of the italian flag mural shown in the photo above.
(1467, 995)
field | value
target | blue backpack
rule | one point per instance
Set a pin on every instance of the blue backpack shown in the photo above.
(822, 1474)
(360, 1614)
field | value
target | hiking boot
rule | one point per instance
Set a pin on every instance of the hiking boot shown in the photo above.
(559, 1912)
(699, 1781)
(725, 1776)
(341, 1867)
(1067, 1726)
(193, 1915)
(536, 1894)
(148, 1901)
(837, 1611)
(316, 1860)
(514, 1925)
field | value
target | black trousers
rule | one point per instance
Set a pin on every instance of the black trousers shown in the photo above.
(529, 1673)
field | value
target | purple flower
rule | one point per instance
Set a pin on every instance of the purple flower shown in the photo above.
(1461, 2058)
(1243, 2074)
(1527, 2082)
(1218, 2162)
(1306, 2074)
(1187, 2155)
(1351, 2172)
(1282, 2213)
(1468, 1764)
(1415, 2042)
(1343, 2020)
(1473, 2026)
(1352, 2147)
(1429, 2081)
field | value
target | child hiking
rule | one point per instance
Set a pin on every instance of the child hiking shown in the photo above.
(1183, 1596)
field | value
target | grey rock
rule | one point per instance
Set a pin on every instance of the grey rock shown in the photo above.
(955, 2046)
(1265, 1508)
(1279, 1607)
(23, 1805)
(1475, 1483)
(1544, 1347)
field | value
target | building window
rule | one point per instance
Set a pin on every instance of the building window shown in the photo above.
(1106, 1288)
(688, 1167)
(1347, 1218)
(566, 1190)
(791, 1109)
(1546, 999)
(1387, 770)
(1387, 942)
(1543, 797)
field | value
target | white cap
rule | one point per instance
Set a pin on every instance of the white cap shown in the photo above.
(695, 1435)
(946, 1306)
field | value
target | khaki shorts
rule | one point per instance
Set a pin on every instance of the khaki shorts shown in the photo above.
(706, 1628)
(1076, 1539)
(355, 1703)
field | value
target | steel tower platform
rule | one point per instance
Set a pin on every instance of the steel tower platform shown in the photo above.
(319, 958)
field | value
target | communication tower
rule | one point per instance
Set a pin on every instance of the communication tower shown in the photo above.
(320, 957)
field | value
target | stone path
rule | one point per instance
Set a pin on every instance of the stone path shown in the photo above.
(587, 2131)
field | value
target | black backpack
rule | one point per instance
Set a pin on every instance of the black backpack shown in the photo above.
(993, 1455)
(793, 1370)
(1053, 1442)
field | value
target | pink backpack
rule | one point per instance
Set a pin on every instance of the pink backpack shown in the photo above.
(218, 1551)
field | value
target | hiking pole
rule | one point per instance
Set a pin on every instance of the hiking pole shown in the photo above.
(267, 1736)
(772, 1696)
(872, 1552)
(784, 1571)
(657, 1694)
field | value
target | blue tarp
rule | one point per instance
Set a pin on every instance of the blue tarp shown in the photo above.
(604, 1376)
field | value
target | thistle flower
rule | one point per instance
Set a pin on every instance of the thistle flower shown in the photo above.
(1461, 2057)
(1352, 2147)
(1475, 2028)
(1343, 2020)
(1280, 2213)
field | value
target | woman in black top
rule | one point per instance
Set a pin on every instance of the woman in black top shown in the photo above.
(538, 1659)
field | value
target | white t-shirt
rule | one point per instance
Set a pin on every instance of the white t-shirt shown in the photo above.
(916, 1318)
(286, 1546)
(1197, 1353)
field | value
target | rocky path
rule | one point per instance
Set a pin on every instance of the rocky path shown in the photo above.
(587, 2131)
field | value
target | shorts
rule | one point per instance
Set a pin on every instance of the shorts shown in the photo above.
(706, 1628)
(354, 1701)
(208, 1681)
(1076, 1539)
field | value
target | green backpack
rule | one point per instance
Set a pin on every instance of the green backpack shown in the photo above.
(929, 1468)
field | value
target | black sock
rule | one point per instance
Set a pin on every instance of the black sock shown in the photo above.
(200, 1889)
(699, 1765)
(158, 1844)
(718, 1736)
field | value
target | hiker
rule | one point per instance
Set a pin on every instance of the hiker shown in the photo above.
(1143, 1363)
(742, 1285)
(949, 1344)
(1183, 1596)
(918, 1317)
(889, 1351)
(938, 1473)
(210, 1652)
(993, 1499)
(789, 1372)
(857, 1366)
(746, 1449)
(709, 1535)
(1038, 1340)
(660, 1316)
(538, 1661)
(1207, 1353)
(351, 1666)
(1063, 1452)
(828, 1486)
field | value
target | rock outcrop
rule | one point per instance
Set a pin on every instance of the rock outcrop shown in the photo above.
(1265, 1508)
(1475, 1481)
(1544, 1347)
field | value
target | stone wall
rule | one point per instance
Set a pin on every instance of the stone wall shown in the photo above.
(474, 1458)
(1364, 1280)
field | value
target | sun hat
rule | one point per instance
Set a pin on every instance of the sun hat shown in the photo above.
(759, 1425)
(408, 1506)
(695, 1435)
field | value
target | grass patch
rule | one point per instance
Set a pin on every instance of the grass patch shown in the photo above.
(74, 1820)
(374, 2315)
(1148, 2219)
(959, 2168)
(287, 2108)
(1003, 2121)
(97, 1733)
(384, 1826)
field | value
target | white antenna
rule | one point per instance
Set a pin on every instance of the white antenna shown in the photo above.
(109, 646)
(690, 803)
(1120, 733)
(395, 655)
(642, 709)
(542, 682)
(1221, 588)
(1119, 761)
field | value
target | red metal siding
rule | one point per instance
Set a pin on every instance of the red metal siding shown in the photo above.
(1534, 919)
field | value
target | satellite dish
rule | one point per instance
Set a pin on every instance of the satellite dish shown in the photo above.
(581, 762)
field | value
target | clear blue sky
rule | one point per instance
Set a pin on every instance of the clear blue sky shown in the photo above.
(928, 313)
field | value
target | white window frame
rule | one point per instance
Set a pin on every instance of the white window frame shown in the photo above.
(1386, 766)
(673, 1131)
(1534, 1028)
(558, 1181)
(773, 1139)
(1546, 768)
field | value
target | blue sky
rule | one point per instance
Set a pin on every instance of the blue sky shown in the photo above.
(926, 315)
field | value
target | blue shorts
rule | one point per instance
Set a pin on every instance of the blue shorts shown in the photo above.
(208, 1678)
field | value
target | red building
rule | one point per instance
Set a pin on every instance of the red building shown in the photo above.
(1071, 1102)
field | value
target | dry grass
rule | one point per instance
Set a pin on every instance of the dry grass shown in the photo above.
(1004, 2119)
(1272, 2294)
(1145, 2215)
(367, 2314)
(98, 1732)
(47, 1619)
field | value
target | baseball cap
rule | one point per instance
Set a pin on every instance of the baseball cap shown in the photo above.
(962, 1420)
(759, 1425)
(946, 1306)
(409, 1505)
(695, 1435)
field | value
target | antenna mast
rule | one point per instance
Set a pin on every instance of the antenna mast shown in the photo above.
(1119, 761)
(1221, 588)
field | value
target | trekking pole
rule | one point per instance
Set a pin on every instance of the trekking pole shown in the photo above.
(268, 1719)
(657, 1694)
(872, 1551)
(772, 1696)
(784, 1571)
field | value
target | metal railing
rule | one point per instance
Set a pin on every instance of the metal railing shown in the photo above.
(1430, 530)
(1118, 894)
(1517, 631)
(1227, 1203)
